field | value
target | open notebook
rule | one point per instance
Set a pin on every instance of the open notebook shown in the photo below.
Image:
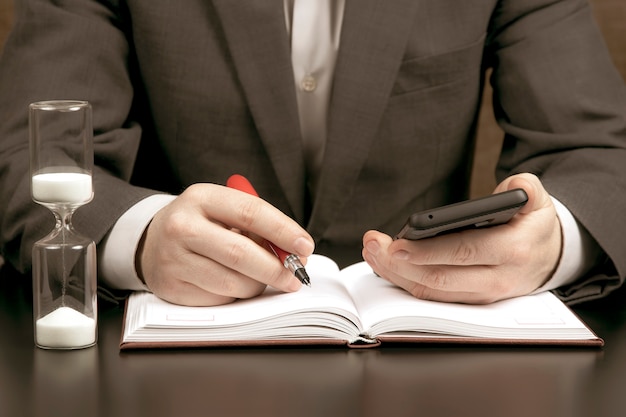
(352, 307)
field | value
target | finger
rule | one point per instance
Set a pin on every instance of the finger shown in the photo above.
(538, 197)
(252, 214)
(425, 292)
(185, 277)
(242, 255)
(469, 247)
(213, 276)
(470, 284)
(477, 283)
(185, 293)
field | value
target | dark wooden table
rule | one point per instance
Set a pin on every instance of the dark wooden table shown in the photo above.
(390, 381)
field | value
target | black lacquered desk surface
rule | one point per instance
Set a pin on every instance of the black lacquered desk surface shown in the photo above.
(388, 381)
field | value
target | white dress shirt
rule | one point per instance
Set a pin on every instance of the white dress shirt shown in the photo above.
(315, 28)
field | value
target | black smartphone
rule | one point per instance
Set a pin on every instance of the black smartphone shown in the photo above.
(480, 212)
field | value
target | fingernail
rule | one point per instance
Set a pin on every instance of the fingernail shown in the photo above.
(401, 255)
(304, 246)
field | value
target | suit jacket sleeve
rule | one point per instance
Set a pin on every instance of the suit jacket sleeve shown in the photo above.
(562, 105)
(407, 86)
(76, 52)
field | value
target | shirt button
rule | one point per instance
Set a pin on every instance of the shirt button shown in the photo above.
(308, 83)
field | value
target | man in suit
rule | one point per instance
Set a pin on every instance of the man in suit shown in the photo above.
(347, 117)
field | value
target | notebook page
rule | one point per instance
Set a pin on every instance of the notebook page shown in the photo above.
(319, 305)
(384, 307)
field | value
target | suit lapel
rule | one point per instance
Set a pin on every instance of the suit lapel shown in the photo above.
(373, 39)
(257, 39)
(374, 34)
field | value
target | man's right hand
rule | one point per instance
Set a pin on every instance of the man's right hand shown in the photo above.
(207, 247)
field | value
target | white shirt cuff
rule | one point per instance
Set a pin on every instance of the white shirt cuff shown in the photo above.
(116, 253)
(579, 251)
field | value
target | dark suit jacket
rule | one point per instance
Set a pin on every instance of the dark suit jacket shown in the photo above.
(187, 92)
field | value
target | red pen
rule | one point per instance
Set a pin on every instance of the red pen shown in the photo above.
(289, 260)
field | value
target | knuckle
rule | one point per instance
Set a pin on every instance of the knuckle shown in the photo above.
(464, 253)
(224, 284)
(178, 225)
(435, 278)
(247, 213)
(220, 282)
(236, 255)
(195, 192)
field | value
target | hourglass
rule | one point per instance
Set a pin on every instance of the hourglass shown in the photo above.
(64, 262)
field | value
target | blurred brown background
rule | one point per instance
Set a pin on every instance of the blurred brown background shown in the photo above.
(6, 17)
(611, 16)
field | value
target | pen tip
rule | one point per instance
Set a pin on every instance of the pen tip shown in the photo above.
(303, 277)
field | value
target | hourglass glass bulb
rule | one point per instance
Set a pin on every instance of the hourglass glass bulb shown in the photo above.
(64, 262)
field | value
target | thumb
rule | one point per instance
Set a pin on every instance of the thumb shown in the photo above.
(538, 197)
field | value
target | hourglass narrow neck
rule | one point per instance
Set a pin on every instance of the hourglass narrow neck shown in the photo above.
(63, 210)
(63, 216)
(64, 234)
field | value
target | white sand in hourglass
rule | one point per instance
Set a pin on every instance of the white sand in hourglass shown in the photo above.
(62, 187)
(66, 328)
